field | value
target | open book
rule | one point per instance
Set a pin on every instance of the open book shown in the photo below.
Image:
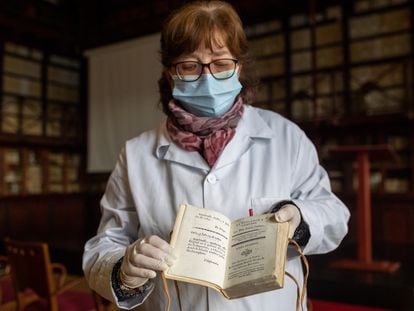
(238, 258)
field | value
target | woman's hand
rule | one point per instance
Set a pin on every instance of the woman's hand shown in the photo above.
(290, 213)
(143, 258)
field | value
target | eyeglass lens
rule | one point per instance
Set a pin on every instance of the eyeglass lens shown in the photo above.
(220, 69)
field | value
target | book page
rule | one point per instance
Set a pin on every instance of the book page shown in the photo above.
(201, 245)
(252, 250)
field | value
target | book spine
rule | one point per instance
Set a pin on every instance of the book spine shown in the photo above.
(177, 225)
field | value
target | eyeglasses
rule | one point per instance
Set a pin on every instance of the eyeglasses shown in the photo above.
(221, 69)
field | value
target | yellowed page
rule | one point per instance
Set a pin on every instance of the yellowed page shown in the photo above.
(200, 241)
(252, 250)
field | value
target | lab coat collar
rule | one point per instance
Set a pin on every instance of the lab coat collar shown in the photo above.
(168, 150)
(253, 125)
(250, 128)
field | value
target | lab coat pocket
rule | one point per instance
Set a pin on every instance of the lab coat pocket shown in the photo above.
(264, 205)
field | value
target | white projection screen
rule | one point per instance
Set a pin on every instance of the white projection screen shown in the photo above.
(122, 97)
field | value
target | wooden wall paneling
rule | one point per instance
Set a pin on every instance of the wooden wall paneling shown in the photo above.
(67, 222)
(25, 165)
(61, 220)
(4, 224)
(288, 67)
(2, 171)
(92, 213)
(1, 90)
(412, 161)
(396, 226)
(45, 170)
(39, 215)
(44, 93)
(65, 180)
(410, 68)
(19, 220)
(27, 218)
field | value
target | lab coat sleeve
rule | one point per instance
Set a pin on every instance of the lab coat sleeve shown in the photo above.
(117, 229)
(325, 214)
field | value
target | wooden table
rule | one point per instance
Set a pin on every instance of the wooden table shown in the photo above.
(363, 154)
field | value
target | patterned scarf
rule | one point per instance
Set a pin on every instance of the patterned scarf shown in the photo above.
(206, 135)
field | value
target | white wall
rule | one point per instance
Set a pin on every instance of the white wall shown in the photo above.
(123, 97)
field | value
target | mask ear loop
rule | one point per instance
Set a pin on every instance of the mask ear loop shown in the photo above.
(300, 298)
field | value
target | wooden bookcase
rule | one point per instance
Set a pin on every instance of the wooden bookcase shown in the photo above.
(345, 75)
(41, 119)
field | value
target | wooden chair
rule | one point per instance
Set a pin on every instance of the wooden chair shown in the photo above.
(4, 274)
(6, 302)
(7, 295)
(31, 269)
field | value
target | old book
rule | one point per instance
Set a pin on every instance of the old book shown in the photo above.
(239, 258)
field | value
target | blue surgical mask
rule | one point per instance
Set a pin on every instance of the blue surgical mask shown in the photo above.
(207, 96)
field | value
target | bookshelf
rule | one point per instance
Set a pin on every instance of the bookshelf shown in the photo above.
(346, 77)
(41, 119)
(344, 74)
(290, 70)
(269, 46)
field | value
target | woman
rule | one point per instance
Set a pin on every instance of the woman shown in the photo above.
(214, 151)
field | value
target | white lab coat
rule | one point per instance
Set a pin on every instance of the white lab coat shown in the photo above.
(268, 160)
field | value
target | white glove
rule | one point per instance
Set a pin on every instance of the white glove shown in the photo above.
(290, 213)
(142, 258)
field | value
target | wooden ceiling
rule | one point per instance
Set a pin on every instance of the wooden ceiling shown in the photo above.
(71, 26)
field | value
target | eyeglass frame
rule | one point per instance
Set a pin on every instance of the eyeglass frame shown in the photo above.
(174, 65)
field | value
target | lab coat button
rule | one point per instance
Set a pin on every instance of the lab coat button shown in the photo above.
(211, 179)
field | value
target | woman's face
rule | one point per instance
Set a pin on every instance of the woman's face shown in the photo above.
(204, 55)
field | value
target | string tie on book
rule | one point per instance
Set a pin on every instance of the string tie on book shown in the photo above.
(300, 296)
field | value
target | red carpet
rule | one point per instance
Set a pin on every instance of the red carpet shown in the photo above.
(82, 301)
(320, 305)
(71, 300)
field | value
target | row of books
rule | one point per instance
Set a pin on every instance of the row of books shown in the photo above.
(22, 74)
(31, 88)
(26, 116)
(361, 6)
(388, 82)
(62, 172)
(382, 48)
(389, 185)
